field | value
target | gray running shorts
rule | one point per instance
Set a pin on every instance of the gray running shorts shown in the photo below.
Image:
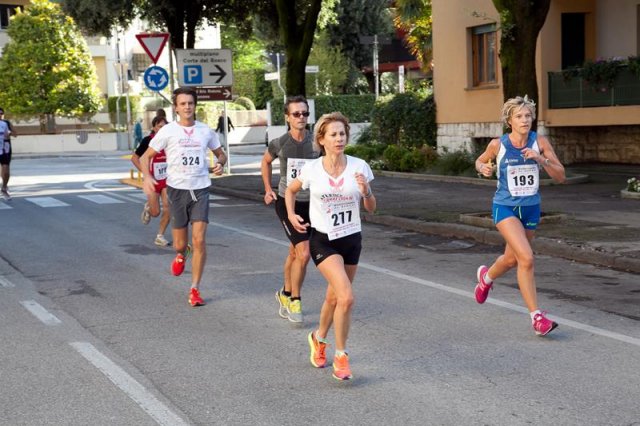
(188, 206)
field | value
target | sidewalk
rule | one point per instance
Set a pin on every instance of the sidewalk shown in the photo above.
(598, 226)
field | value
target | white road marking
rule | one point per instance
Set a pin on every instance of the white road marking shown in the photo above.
(40, 312)
(101, 199)
(5, 206)
(464, 293)
(130, 386)
(47, 202)
(216, 205)
(5, 282)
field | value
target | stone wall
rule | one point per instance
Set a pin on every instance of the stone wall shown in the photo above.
(461, 136)
(602, 144)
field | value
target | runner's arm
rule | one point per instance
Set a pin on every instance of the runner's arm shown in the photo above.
(484, 164)
(549, 160)
(221, 158)
(290, 200)
(266, 169)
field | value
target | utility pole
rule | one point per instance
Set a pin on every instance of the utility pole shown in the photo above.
(375, 41)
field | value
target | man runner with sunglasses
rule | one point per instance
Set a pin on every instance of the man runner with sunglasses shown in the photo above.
(293, 149)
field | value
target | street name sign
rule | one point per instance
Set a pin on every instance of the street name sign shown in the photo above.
(213, 93)
(153, 44)
(272, 76)
(204, 67)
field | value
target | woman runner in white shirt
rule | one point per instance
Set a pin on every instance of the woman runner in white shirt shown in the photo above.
(336, 183)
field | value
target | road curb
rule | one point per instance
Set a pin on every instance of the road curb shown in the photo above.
(541, 245)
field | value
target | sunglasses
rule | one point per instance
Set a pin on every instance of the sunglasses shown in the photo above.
(297, 114)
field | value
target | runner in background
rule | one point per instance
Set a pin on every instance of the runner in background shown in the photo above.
(293, 149)
(158, 169)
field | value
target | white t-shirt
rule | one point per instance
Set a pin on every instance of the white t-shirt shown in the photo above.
(187, 153)
(334, 207)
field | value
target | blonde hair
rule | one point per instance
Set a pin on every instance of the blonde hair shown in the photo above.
(514, 104)
(321, 125)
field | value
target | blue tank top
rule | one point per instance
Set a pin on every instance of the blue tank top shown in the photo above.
(518, 179)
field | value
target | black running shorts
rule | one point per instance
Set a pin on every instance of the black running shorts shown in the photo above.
(348, 247)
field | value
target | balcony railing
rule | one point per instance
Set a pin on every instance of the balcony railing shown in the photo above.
(574, 92)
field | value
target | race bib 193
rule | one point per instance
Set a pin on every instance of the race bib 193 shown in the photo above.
(523, 180)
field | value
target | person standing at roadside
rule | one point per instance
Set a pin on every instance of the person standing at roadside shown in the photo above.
(518, 156)
(293, 149)
(158, 170)
(337, 184)
(186, 143)
(6, 129)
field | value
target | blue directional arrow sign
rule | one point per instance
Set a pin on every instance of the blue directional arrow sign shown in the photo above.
(156, 78)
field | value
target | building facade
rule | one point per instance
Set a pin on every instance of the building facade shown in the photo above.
(586, 124)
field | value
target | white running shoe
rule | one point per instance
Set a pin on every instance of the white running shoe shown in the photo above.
(161, 241)
(145, 217)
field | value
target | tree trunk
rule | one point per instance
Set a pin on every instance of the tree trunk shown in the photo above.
(298, 39)
(521, 22)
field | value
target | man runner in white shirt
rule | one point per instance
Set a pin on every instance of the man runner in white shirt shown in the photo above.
(186, 143)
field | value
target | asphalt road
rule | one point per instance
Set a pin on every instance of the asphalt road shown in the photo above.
(96, 331)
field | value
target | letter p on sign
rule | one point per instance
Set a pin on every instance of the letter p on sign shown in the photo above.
(193, 74)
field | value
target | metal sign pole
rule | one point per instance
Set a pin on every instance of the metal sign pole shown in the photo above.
(226, 135)
(171, 85)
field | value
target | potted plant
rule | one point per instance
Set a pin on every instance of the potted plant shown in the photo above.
(632, 190)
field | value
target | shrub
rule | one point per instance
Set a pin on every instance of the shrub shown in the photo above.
(355, 107)
(455, 163)
(245, 103)
(367, 152)
(406, 119)
(407, 159)
(134, 102)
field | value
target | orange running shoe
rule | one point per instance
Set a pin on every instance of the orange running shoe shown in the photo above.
(178, 264)
(318, 357)
(194, 298)
(341, 369)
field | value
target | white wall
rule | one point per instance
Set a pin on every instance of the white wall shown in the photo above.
(97, 142)
(61, 143)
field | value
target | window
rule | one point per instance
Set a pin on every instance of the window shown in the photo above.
(573, 39)
(484, 45)
(140, 62)
(6, 11)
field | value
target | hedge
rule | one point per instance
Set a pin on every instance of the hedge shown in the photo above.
(355, 107)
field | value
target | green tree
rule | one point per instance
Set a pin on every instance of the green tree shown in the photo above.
(297, 23)
(46, 66)
(178, 17)
(334, 67)
(249, 59)
(357, 18)
(413, 17)
(520, 24)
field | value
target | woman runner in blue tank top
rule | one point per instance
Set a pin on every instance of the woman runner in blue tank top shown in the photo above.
(516, 158)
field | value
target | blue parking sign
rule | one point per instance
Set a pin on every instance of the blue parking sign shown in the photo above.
(193, 74)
